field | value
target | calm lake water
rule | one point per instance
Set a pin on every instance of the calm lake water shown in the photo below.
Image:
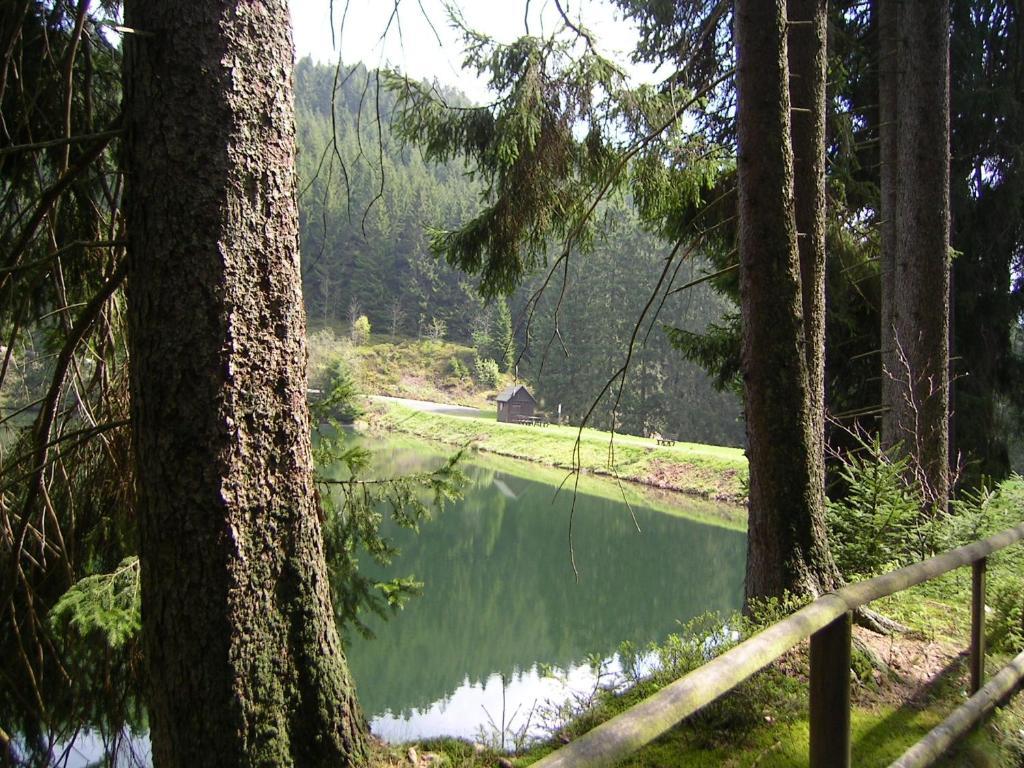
(501, 605)
(501, 602)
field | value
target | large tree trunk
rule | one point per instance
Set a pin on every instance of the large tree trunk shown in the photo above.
(787, 547)
(807, 69)
(245, 664)
(916, 329)
(886, 12)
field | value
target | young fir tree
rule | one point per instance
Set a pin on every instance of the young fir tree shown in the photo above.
(505, 346)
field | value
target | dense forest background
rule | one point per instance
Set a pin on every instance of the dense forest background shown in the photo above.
(368, 201)
(365, 244)
(366, 208)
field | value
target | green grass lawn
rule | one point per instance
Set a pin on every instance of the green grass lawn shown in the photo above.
(712, 472)
(731, 516)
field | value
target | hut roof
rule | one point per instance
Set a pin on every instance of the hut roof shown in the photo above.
(508, 394)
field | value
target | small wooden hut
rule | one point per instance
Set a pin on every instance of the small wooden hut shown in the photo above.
(515, 403)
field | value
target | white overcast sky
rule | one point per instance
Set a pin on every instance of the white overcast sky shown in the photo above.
(412, 46)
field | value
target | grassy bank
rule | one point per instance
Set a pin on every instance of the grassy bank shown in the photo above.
(710, 472)
(731, 516)
(725, 515)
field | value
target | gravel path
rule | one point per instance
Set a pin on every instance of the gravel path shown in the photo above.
(425, 405)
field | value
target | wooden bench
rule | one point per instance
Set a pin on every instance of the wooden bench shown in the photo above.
(665, 441)
(532, 421)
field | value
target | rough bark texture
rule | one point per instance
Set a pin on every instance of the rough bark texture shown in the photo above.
(787, 548)
(244, 660)
(886, 15)
(920, 279)
(807, 68)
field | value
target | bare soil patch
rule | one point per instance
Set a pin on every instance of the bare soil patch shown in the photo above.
(714, 484)
(915, 664)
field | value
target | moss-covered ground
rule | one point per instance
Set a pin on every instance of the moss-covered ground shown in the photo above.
(879, 736)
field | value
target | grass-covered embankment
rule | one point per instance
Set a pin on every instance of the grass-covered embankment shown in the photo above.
(707, 471)
(731, 516)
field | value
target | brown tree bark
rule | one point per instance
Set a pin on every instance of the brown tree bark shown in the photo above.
(787, 546)
(915, 330)
(886, 12)
(807, 74)
(244, 660)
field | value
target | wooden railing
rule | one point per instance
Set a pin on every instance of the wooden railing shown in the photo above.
(827, 622)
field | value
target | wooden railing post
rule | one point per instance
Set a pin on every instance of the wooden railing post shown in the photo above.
(830, 694)
(978, 624)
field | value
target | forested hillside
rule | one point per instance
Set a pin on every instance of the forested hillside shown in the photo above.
(366, 203)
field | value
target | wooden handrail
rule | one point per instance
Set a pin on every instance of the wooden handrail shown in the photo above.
(639, 725)
(938, 741)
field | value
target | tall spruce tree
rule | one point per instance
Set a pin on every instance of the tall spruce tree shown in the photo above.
(806, 44)
(245, 663)
(787, 546)
(987, 233)
(886, 24)
(914, 92)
